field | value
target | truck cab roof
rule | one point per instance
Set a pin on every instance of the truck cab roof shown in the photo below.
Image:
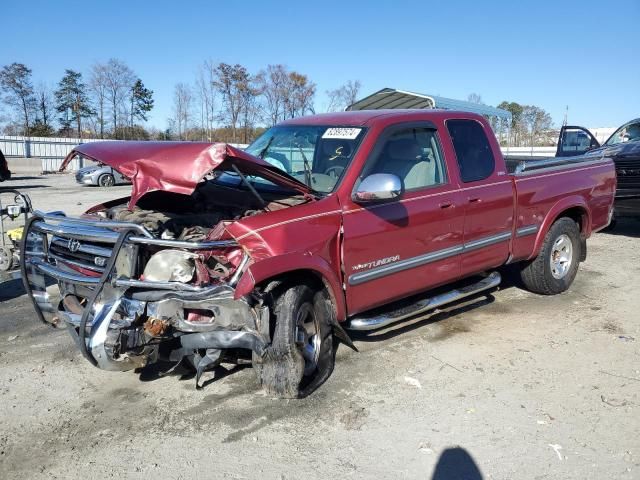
(363, 118)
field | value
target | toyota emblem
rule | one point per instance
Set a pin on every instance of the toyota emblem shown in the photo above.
(73, 245)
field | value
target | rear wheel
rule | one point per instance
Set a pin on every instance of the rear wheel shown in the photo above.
(106, 180)
(301, 355)
(556, 266)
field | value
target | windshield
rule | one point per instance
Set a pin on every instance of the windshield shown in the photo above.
(315, 155)
(626, 133)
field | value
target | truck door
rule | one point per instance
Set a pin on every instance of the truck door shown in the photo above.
(575, 141)
(401, 246)
(488, 197)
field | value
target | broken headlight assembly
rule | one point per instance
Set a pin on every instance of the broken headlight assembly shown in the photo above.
(170, 266)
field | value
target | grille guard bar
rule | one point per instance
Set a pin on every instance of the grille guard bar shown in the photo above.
(35, 266)
(107, 231)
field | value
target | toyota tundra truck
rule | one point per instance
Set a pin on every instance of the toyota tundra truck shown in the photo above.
(324, 225)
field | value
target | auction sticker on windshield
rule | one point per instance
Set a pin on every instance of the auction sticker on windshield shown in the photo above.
(342, 133)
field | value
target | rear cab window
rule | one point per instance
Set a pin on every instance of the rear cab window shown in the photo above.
(473, 151)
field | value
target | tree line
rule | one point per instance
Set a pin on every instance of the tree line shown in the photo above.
(530, 125)
(228, 103)
(225, 102)
(110, 103)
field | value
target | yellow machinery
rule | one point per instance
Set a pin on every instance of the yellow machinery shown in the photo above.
(20, 206)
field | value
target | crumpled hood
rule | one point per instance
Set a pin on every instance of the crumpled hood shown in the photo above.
(177, 166)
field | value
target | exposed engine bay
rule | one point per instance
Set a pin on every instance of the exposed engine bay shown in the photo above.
(192, 218)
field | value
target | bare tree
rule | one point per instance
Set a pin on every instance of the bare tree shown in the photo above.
(45, 107)
(272, 84)
(475, 98)
(300, 92)
(98, 86)
(231, 81)
(250, 111)
(343, 96)
(207, 94)
(119, 79)
(538, 122)
(15, 81)
(182, 106)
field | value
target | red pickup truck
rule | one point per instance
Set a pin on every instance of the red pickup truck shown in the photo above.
(324, 224)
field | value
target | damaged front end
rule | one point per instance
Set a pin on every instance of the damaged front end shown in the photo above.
(153, 276)
(126, 313)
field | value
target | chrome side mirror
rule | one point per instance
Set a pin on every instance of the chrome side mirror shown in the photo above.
(378, 187)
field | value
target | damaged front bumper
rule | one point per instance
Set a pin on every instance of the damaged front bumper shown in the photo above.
(120, 321)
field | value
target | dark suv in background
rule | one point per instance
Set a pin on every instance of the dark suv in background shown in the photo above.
(624, 147)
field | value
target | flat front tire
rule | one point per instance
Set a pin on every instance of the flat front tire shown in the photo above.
(556, 266)
(301, 355)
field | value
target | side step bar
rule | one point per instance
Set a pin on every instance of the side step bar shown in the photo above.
(379, 320)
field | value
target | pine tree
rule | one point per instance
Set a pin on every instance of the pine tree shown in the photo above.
(141, 102)
(72, 101)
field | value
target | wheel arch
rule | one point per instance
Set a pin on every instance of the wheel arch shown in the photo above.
(299, 267)
(574, 208)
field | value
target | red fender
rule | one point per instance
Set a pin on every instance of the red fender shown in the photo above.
(271, 267)
(574, 201)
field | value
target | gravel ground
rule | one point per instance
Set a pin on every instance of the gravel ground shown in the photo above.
(512, 385)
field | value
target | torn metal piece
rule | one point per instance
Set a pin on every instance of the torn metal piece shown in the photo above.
(210, 359)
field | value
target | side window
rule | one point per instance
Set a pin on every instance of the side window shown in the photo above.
(475, 158)
(413, 154)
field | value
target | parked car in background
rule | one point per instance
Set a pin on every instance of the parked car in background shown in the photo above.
(5, 174)
(101, 175)
(623, 147)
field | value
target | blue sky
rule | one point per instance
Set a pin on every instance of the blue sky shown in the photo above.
(583, 54)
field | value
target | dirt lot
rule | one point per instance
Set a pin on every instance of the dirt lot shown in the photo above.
(514, 385)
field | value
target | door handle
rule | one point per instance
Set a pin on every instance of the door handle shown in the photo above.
(445, 204)
(473, 199)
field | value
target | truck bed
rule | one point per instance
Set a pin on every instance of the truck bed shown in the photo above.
(517, 165)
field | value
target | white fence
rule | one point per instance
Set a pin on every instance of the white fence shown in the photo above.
(40, 147)
(50, 150)
(544, 152)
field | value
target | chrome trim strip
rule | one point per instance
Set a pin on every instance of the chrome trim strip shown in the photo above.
(87, 266)
(373, 274)
(100, 232)
(559, 169)
(239, 270)
(175, 286)
(486, 241)
(62, 275)
(80, 279)
(90, 249)
(93, 223)
(528, 230)
(420, 260)
(85, 234)
(160, 242)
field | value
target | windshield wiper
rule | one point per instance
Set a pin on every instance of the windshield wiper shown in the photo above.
(251, 188)
(263, 152)
(307, 167)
